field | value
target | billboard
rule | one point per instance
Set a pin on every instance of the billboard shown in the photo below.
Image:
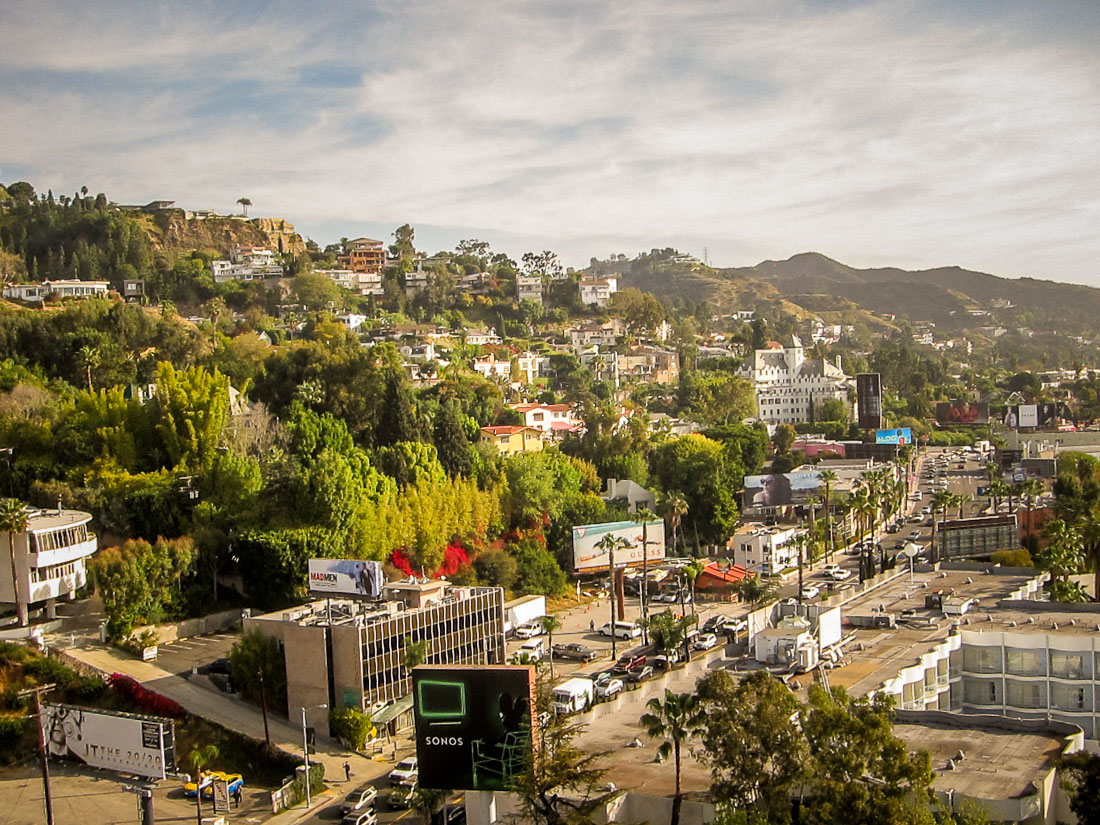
(901, 436)
(869, 400)
(586, 537)
(346, 577)
(474, 725)
(123, 742)
(962, 412)
(780, 489)
(1034, 415)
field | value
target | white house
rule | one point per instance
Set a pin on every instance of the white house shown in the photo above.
(481, 337)
(61, 288)
(764, 550)
(246, 263)
(788, 384)
(49, 558)
(598, 291)
(529, 288)
(593, 334)
(548, 418)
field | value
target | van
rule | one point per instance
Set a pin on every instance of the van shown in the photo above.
(631, 660)
(622, 630)
(534, 648)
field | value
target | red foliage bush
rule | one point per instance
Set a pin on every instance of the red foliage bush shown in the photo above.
(148, 700)
(454, 557)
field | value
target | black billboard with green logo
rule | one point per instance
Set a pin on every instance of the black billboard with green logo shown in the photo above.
(473, 725)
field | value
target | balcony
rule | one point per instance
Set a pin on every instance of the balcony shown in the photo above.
(63, 555)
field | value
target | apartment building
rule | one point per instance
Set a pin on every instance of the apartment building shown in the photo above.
(363, 255)
(512, 439)
(788, 384)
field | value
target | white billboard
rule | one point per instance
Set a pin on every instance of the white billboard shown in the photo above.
(586, 537)
(346, 577)
(123, 742)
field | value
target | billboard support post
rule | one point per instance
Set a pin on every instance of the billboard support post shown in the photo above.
(38, 691)
(263, 706)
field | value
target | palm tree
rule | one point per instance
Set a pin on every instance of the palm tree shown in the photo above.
(1062, 557)
(940, 502)
(1031, 489)
(755, 590)
(427, 802)
(676, 720)
(688, 574)
(828, 478)
(609, 544)
(89, 358)
(549, 625)
(675, 509)
(643, 516)
(13, 520)
(415, 653)
(198, 759)
(245, 203)
(1089, 528)
(961, 500)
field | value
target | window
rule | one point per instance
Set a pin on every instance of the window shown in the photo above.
(1065, 697)
(54, 571)
(981, 692)
(1025, 662)
(1068, 665)
(982, 659)
(56, 539)
(1024, 694)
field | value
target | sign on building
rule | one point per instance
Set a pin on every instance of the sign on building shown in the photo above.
(474, 725)
(122, 742)
(588, 555)
(901, 436)
(345, 577)
(869, 400)
(781, 489)
(962, 412)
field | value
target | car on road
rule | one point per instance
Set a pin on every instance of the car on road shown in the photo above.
(367, 817)
(734, 626)
(705, 641)
(401, 795)
(622, 630)
(234, 781)
(914, 535)
(528, 631)
(639, 675)
(713, 623)
(407, 770)
(810, 591)
(840, 574)
(533, 649)
(359, 799)
(829, 569)
(609, 689)
(575, 651)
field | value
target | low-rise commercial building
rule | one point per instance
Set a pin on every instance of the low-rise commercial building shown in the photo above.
(972, 537)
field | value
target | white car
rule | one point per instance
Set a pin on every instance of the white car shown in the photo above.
(406, 771)
(810, 591)
(610, 688)
(829, 569)
(705, 641)
(840, 574)
(527, 631)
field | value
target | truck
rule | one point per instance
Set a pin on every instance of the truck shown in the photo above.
(576, 651)
(523, 611)
(572, 696)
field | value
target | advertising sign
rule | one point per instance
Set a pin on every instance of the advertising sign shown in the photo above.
(900, 436)
(962, 412)
(345, 577)
(587, 555)
(123, 742)
(221, 795)
(780, 489)
(474, 725)
(869, 400)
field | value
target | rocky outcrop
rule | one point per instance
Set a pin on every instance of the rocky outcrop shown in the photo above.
(281, 235)
(176, 234)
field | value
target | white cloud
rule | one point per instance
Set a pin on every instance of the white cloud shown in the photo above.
(875, 133)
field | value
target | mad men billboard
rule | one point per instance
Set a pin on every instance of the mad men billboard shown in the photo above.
(122, 742)
(346, 577)
(588, 555)
(901, 436)
(781, 489)
(474, 725)
(869, 400)
(962, 412)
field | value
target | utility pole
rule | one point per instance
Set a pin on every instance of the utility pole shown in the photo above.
(263, 707)
(38, 691)
(613, 593)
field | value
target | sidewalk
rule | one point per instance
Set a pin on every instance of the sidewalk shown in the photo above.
(242, 717)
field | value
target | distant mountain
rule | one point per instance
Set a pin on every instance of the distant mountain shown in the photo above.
(949, 296)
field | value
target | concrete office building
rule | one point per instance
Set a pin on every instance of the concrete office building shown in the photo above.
(344, 653)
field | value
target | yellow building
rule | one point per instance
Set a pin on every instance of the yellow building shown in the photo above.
(510, 440)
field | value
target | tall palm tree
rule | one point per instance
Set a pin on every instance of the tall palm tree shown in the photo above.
(550, 624)
(643, 516)
(199, 757)
(675, 509)
(676, 720)
(941, 500)
(828, 478)
(961, 500)
(1089, 529)
(688, 574)
(245, 203)
(89, 357)
(13, 520)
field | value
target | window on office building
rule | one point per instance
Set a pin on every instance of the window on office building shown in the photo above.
(982, 692)
(1025, 662)
(1024, 694)
(982, 659)
(1068, 665)
(1068, 697)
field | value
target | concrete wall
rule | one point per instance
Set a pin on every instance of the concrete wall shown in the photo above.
(347, 666)
(215, 622)
(307, 677)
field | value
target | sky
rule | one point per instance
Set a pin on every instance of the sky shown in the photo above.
(887, 132)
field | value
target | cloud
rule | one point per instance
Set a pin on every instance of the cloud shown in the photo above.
(896, 131)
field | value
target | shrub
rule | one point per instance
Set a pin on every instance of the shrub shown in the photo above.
(148, 700)
(13, 730)
(1018, 557)
(351, 725)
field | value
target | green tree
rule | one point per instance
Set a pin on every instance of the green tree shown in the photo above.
(415, 653)
(198, 758)
(1062, 557)
(244, 203)
(1080, 777)
(257, 659)
(397, 417)
(751, 741)
(550, 625)
(13, 521)
(192, 408)
(706, 475)
(756, 590)
(450, 441)
(676, 721)
(315, 291)
(90, 358)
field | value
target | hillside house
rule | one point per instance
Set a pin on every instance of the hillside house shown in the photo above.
(511, 439)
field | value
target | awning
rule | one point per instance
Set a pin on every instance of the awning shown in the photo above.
(392, 711)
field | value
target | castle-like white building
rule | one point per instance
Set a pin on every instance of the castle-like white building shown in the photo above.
(789, 385)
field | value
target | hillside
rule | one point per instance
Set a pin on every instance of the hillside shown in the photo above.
(173, 233)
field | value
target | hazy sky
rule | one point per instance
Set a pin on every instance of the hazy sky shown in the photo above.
(897, 132)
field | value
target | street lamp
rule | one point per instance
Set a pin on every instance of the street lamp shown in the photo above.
(305, 747)
(912, 549)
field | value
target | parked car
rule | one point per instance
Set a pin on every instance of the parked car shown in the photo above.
(829, 569)
(705, 641)
(402, 795)
(609, 689)
(914, 535)
(366, 817)
(733, 626)
(810, 591)
(359, 799)
(664, 661)
(576, 651)
(407, 770)
(840, 574)
(528, 631)
(206, 783)
(639, 675)
(623, 630)
(534, 649)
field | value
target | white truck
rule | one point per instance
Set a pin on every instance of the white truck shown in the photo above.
(572, 696)
(521, 611)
